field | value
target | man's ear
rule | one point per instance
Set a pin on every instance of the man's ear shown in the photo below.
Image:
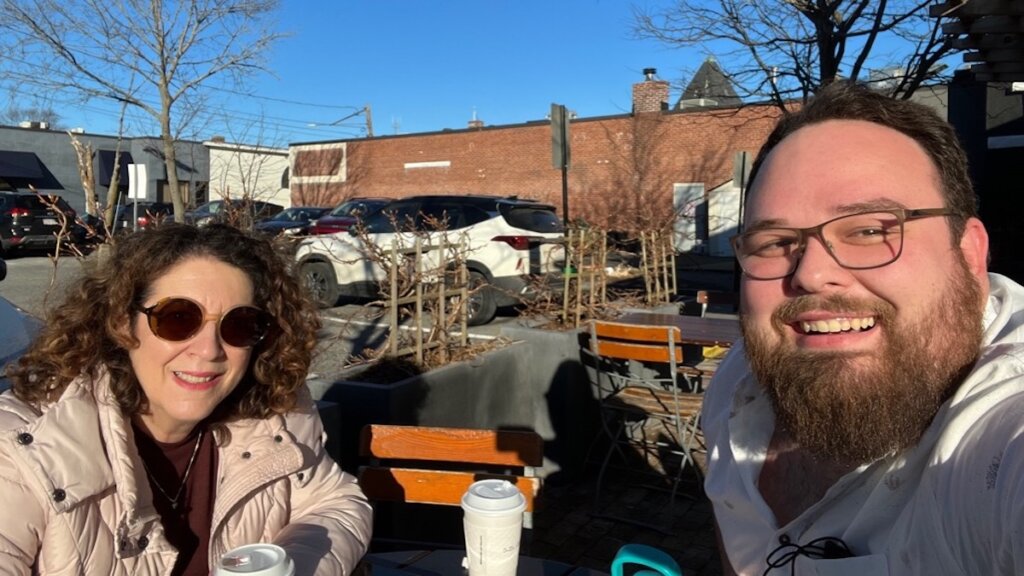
(974, 247)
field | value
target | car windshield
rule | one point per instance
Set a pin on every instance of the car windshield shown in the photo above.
(355, 208)
(209, 208)
(290, 215)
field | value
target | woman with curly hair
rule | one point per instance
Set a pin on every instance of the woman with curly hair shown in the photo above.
(161, 419)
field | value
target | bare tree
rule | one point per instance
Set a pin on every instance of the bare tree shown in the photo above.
(16, 114)
(83, 157)
(157, 56)
(787, 49)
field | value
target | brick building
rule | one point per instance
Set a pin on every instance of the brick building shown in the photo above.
(653, 167)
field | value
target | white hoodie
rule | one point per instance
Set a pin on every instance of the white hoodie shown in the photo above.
(952, 504)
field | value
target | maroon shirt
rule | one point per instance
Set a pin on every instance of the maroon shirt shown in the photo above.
(188, 526)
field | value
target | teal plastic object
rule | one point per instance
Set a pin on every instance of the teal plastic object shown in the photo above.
(648, 557)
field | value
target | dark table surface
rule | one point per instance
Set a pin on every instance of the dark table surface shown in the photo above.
(702, 331)
(449, 563)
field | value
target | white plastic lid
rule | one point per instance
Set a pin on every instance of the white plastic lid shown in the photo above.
(258, 559)
(493, 496)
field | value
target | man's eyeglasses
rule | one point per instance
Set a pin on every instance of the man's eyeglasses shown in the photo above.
(178, 319)
(856, 241)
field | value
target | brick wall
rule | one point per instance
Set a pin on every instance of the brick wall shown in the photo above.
(650, 96)
(622, 172)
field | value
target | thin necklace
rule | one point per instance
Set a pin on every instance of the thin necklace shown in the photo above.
(184, 479)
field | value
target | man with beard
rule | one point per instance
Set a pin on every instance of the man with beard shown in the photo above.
(872, 419)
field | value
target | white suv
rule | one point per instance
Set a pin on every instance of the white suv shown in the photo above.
(511, 243)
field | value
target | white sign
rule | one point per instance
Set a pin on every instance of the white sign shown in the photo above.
(138, 182)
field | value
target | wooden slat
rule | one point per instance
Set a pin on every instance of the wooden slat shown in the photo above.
(432, 486)
(978, 8)
(640, 352)
(638, 332)
(495, 447)
(996, 55)
(661, 402)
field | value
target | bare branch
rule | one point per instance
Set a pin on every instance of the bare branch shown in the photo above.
(153, 55)
(786, 49)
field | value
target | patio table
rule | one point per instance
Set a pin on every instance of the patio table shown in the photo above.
(449, 563)
(698, 330)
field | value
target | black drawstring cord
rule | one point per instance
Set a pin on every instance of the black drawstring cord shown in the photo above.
(786, 553)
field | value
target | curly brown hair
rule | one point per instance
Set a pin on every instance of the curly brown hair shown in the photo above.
(91, 330)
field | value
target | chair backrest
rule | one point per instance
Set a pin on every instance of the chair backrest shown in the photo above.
(417, 476)
(643, 343)
(418, 449)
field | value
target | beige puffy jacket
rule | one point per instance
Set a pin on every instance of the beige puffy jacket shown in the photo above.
(74, 497)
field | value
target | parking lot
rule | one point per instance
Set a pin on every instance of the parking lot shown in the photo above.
(36, 282)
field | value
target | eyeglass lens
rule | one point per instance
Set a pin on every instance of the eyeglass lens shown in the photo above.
(857, 241)
(178, 319)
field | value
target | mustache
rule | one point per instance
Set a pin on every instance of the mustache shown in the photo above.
(789, 310)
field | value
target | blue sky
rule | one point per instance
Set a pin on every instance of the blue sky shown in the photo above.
(427, 65)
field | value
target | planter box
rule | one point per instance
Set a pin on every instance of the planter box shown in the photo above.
(537, 382)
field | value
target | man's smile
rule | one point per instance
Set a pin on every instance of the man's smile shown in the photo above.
(836, 325)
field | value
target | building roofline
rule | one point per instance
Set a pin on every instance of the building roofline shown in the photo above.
(529, 123)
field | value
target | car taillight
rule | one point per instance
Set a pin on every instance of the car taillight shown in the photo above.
(143, 220)
(19, 212)
(516, 242)
(325, 229)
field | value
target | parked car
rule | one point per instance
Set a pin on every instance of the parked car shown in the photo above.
(346, 214)
(243, 212)
(510, 243)
(17, 329)
(28, 222)
(294, 221)
(144, 214)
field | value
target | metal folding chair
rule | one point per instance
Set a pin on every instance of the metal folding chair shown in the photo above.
(647, 402)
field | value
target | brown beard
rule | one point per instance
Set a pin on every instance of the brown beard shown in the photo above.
(854, 408)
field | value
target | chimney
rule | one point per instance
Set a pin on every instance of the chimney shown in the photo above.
(476, 123)
(651, 95)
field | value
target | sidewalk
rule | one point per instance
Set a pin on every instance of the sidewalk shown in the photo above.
(569, 527)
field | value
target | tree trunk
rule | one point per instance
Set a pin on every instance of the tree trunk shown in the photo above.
(170, 156)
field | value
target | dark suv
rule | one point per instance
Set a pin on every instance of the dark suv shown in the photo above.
(347, 214)
(130, 216)
(27, 222)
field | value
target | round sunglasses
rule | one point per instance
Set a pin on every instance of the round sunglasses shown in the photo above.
(177, 319)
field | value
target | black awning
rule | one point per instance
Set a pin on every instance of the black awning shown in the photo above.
(20, 165)
(105, 168)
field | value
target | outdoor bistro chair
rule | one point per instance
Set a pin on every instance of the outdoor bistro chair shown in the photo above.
(647, 403)
(417, 475)
(718, 300)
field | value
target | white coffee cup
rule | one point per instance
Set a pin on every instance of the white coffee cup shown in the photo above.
(255, 560)
(493, 522)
